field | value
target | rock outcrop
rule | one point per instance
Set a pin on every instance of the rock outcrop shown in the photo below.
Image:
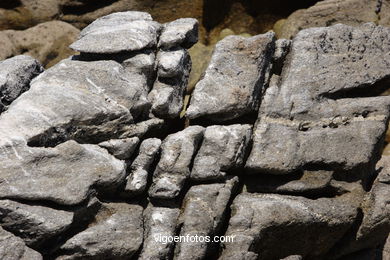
(280, 149)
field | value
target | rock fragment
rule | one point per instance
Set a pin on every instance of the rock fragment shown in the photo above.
(172, 171)
(160, 223)
(235, 78)
(15, 76)
(181, 32)
(203, 215)
(122, 149)
(137, 180)
(223, 149)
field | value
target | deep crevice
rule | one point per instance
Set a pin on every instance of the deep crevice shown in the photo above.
(10, 4)
(87, 6)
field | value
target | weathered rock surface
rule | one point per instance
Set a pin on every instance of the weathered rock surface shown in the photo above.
(235, 78)
(66, 174)
(125, 31)
(34, 224)
(204, 210)
(330, 12)
(274, 226)
(12, 247)
(160, 223)
(177, 152)
(47, 42)
(116, 234)
(308, 113)
(122, 149)
(181, 32)
(140, 169)
(223, 149)
(16, 75)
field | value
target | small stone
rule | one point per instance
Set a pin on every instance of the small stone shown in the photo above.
(122, 149)
(172, 171)
(15, 76)
(172, 63)
(223, 149)
(140, 168)
(181, 32)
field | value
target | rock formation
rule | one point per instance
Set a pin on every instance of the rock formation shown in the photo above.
(281, 148)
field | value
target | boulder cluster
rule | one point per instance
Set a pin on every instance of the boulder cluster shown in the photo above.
(280, 146)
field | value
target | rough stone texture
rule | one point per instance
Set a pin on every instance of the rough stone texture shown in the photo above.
(386, 249)
(204, 210)
(235, 78)
(274, 226)
(137, 180)
(169, 89)
(308, 113)
(15, 77)
(181, 32)
(172, 171)
(34, 224)
(66, 174)
(47, 42)
(160, 223)
(13, 248)
(223, 149)
(116, 234)
(122, 149)
(330, 12)
(125, 31)
(76, 100)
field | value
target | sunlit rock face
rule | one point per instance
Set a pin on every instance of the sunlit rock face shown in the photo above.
(279, 147)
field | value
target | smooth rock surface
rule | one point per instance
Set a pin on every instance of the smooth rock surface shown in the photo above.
(310, 110)
(66, 174)
(15, 76)
(140, 169)
(274, 226)
(223, 149)
(235, 78)
(172, 171)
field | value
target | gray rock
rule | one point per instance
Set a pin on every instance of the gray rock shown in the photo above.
(172, 171)
(172, 63)
(282, 48)
(223, 149)
(169, 89)
(204, 210)
(118, 32)
(67, 174)
(140, 169)
(293, 257)
(375, 224)
(122, 149)
(302, 183)
(181, 32)
(160, 223)
(309, 111)
(13, 248)
(142, 63)
(34, 224)
(143, 128)
(274, 226)
(84, 101)
(235, 78)
(15, 76)
(116, 234)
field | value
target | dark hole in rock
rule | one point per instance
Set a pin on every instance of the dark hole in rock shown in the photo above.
(10, 4)
(86, 6)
